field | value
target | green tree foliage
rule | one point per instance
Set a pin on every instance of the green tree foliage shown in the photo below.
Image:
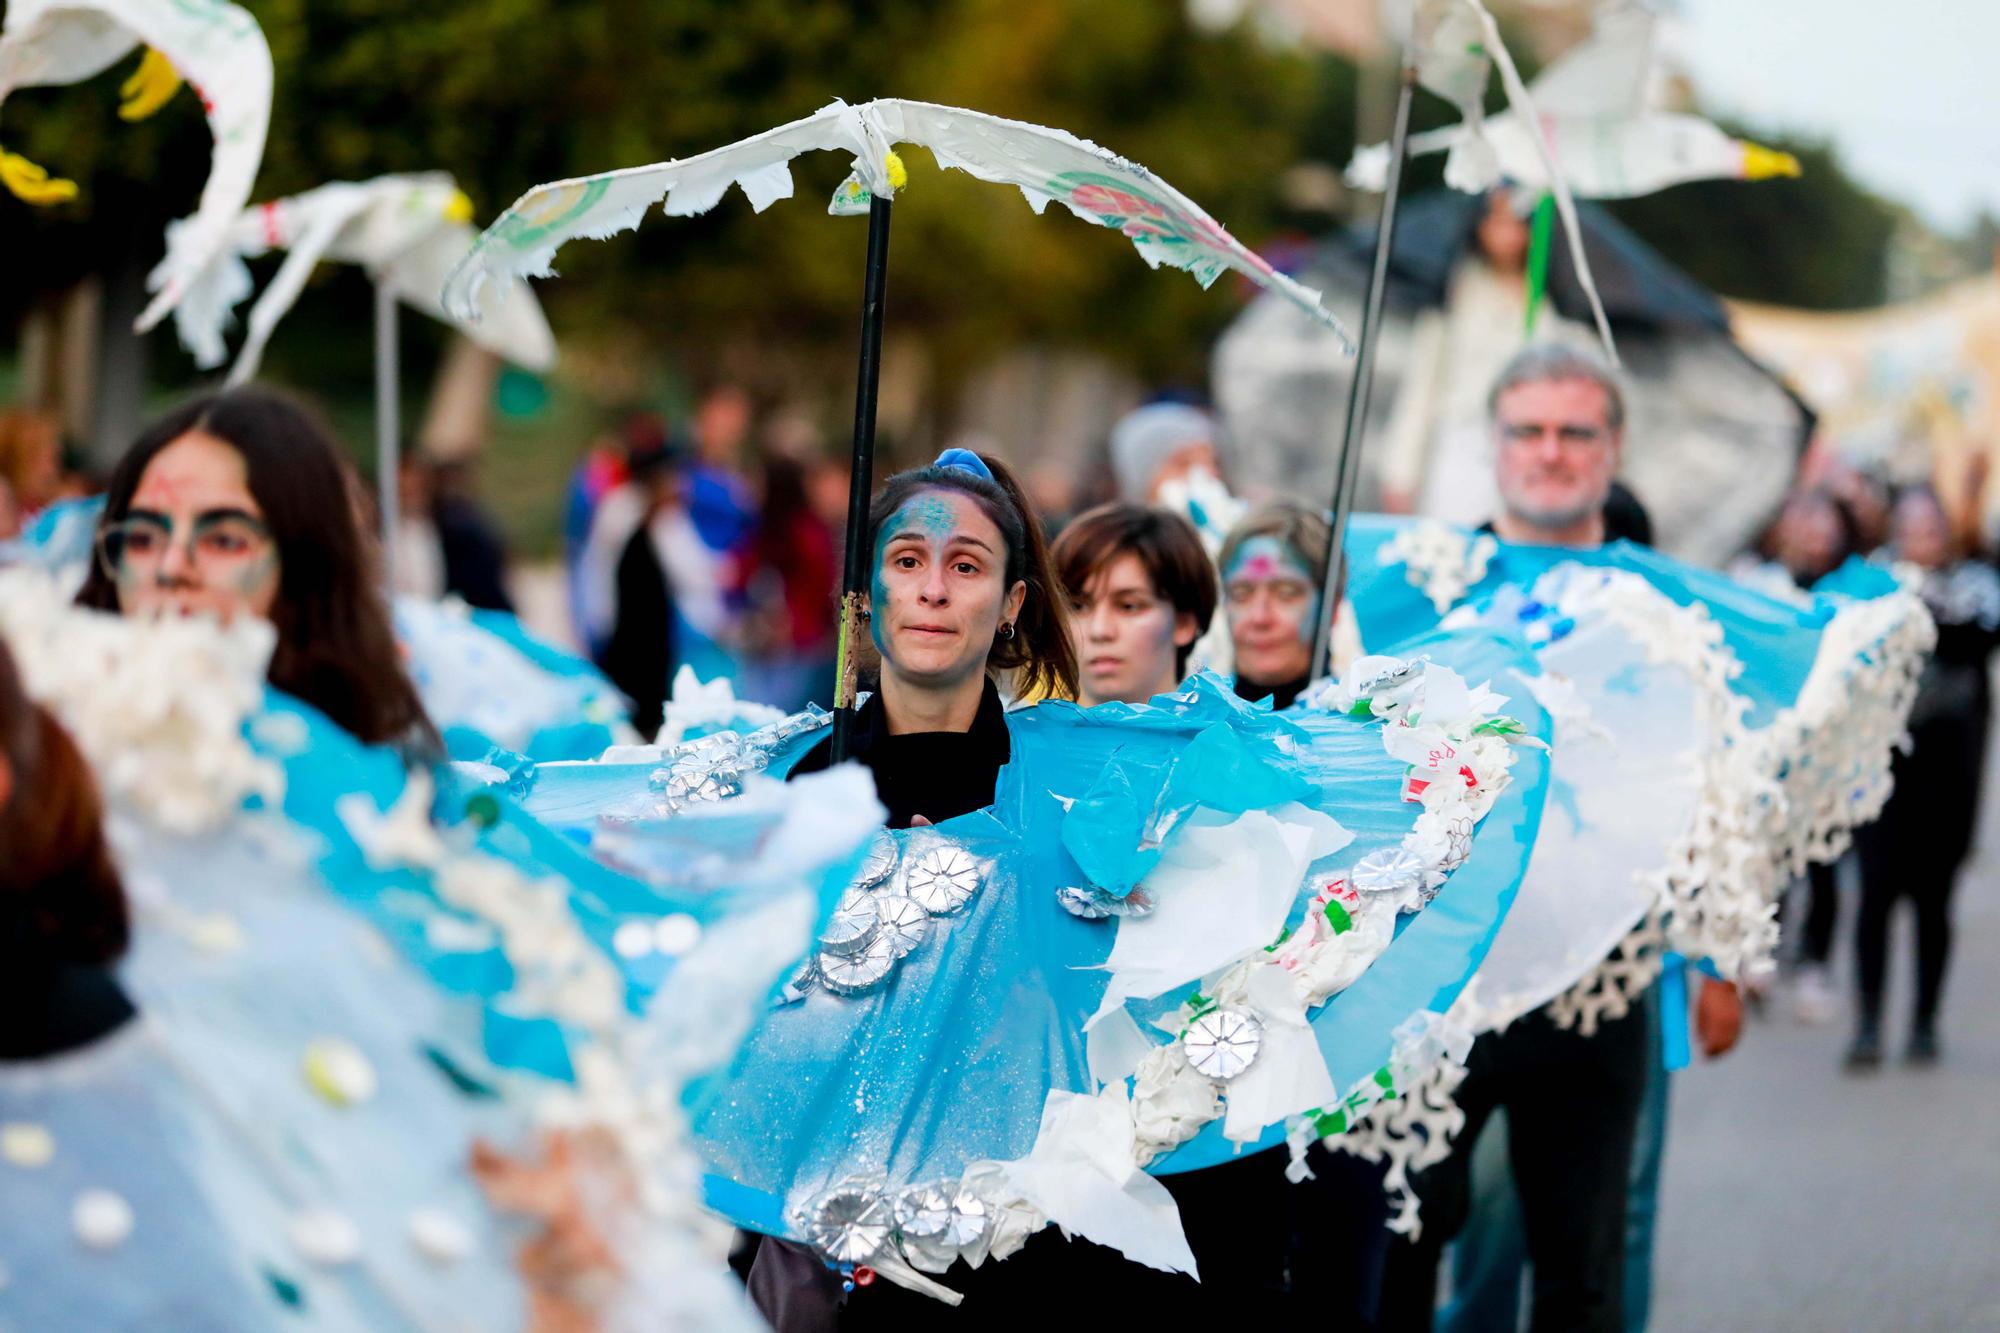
(508, 93)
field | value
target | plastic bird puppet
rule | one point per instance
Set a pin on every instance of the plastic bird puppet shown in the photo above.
(1597, 117)
(216, 47)
(1166, 226)
(408, 231)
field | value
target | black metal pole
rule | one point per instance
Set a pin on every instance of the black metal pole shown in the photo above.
(861, 480)
(1364, 376)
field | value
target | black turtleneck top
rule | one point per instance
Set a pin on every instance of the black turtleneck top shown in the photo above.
(1281, 695)
(936, 774)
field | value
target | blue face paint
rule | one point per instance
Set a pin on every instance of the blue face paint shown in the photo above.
(1263, 561)
(928, 513)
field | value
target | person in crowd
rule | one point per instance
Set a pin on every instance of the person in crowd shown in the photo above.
(1572, 1101)
(718, 498)
(1814, 532)
(1271, 567)
(1140, 591)
(63, 918)
(641, 649)
(239, 503)
(597, 474)
(416, 555)
(30, 461)
(1160, 443)
(1320, 1245)
(1920, 843)
(789, 572)
(618, 512)
(475, 554)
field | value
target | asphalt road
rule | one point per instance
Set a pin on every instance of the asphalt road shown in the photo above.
(1797, 1196)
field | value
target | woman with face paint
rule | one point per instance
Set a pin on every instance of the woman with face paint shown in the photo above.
(1140, 591)
(1270, 592)
(239, 504)
(962, 590)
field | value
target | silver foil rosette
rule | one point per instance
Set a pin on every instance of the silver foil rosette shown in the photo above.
(880, 862)
(1222, 1043)
(858, 973)
(709, 769)
(850, 1224)
(853, 925)
(937, 1223)
(1389, 872)
(1094, 904)
(943, 879)
(903, 920)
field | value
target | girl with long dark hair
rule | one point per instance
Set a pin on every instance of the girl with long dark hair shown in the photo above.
(240, 503)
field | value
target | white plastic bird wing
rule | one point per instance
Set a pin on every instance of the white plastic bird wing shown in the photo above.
(1454, 41)
(522, 242)
(403, 229)
(1610, 73)
(1164, 225)
(221, 53)
(1618, 159)
(49, 43)
(515, 327)
(332, 213)
(1559, 185)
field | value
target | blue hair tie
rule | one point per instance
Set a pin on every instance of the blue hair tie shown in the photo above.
(965, 461)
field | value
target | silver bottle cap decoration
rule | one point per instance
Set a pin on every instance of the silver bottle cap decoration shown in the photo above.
(970, 1219)
(1222, 1043)
(879, 863)
(852, 927)
(903, 921)
(1388, 870)
(1083, 903)
(800, 985)
(943, 879)
(850, 1225)
(854, 973)
(1094, 904)
(924, 1211)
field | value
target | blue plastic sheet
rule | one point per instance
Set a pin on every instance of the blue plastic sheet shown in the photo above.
(951, 1060)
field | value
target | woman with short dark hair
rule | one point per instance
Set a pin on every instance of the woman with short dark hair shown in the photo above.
(1140, 592)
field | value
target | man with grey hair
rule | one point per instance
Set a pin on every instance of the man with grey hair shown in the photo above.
(1572, 1100)
(1558, 432)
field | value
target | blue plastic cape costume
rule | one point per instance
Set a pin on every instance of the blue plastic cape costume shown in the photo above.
(1785, 709)
(345, 981)
(1179, 928)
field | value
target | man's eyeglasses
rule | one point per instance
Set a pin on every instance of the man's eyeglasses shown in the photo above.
(1569, 435)
(218, 544)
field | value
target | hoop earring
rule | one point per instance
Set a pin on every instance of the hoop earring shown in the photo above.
(1007, 631)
